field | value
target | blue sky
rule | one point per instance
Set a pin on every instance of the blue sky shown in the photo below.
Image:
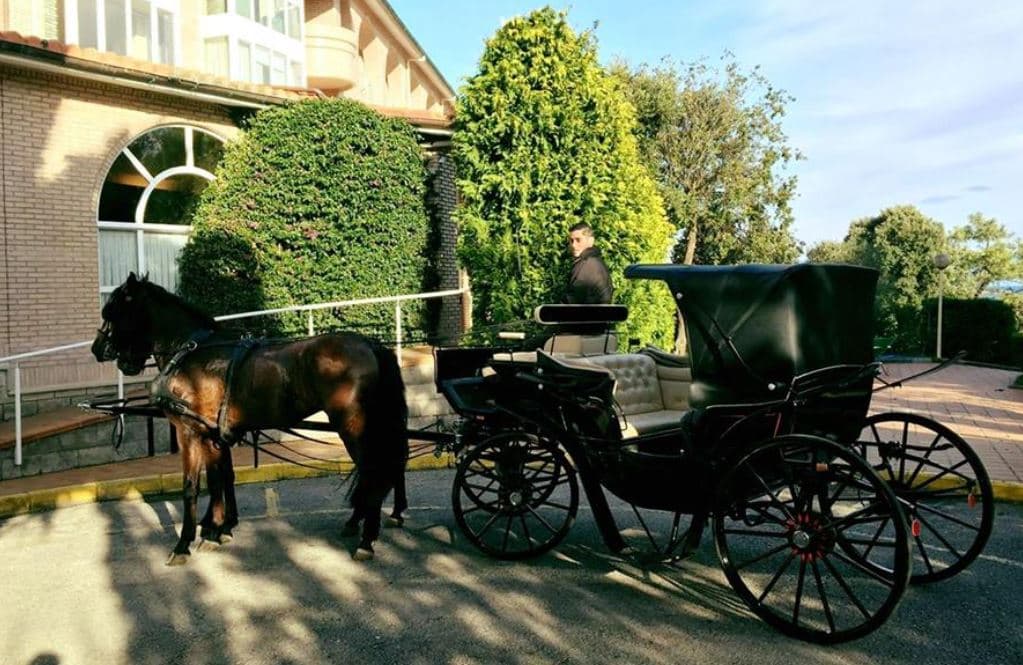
(897, 102)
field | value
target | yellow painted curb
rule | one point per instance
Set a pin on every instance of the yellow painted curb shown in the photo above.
(1006, 491)
(170, 484)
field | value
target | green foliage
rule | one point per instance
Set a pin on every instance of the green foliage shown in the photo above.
(982, 252)
(321, 200)
(715, 142)
(901, 243)
(544, 139)
(983, 327)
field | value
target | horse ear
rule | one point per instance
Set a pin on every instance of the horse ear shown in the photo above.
(145, 277)
(131, 278)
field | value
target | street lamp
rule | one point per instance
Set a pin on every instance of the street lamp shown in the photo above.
(941, 261)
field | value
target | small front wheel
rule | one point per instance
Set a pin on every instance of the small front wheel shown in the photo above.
(515, 495)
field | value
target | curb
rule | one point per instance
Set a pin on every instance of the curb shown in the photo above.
(170, 484)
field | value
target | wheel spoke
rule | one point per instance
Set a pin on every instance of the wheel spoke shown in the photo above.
(761, 557)
(754, 532)
(799, 591)
(774, 499)
(925, 459)
(777, 576)
(943, 514)
(541, 519)
(493, 518)
(845, 587)
(938, 535)
(824, 597)
(863, 568)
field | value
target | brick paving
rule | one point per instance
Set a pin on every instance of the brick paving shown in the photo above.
(974, 402)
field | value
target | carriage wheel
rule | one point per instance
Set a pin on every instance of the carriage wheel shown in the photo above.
(515, 495)
(943, 487)
(779, 514)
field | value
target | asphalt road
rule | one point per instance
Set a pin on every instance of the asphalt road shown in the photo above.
(88, 584)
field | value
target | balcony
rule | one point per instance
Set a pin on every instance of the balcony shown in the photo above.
(331, 57)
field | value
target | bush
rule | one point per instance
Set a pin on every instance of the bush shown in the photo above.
(544, 139)
(321, 200)
(983, 327)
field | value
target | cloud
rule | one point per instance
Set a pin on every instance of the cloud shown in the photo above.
(977, 188)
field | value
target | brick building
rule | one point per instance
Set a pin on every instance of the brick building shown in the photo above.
(112, 117)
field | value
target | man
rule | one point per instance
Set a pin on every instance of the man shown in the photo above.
(589, 283)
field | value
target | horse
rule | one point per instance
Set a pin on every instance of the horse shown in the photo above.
(214, 389)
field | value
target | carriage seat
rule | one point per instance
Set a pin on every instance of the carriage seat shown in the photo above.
(653, 395)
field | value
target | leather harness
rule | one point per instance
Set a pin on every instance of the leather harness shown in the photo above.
(163, 398)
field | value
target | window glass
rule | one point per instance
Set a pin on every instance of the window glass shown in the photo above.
(165, 36)
(279, 74)
(243, 8)
(278, 17)
(294, 21)
(161, 256)
(216, 6)
(261, 65)
(118, 255)
(216, 56)
(296, 79)
(87, 32)
(174, 200)
(207, 151)
(117, 30)
(263, 10)
(244, 61)
(160, 149)
(139, 47)
(121, 191)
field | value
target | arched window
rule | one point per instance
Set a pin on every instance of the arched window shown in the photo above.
(147, 201)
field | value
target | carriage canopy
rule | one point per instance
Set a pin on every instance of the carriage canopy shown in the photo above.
(751, 325)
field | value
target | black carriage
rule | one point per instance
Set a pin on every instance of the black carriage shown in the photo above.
(819, 512)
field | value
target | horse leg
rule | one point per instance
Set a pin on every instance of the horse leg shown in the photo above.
(400, 503)
(377, 489)
(351, 527)
(230, 502)
(191, 462)
(213, 523)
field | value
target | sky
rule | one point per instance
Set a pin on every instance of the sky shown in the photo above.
(896, 102)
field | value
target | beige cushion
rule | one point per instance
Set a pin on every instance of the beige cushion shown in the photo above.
(645, 423)
(636, 387)
(675, 386)
(581, 345)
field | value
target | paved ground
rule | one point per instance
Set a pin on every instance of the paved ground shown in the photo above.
(87, 584)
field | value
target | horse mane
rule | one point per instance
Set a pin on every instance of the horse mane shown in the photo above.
(165, 297)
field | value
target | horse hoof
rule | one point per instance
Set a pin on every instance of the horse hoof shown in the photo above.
(208, 545)
(349, 530)
(177, 559)
(393, 522)
(362, 554)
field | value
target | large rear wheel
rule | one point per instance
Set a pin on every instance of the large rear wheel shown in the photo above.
(515, 495)
(802, 526)
(942, 484)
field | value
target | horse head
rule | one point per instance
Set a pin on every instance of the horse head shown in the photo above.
(126, 333)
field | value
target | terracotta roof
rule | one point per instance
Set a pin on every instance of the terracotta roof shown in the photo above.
(87, 59)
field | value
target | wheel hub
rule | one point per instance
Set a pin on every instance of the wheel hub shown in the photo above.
(809, 538)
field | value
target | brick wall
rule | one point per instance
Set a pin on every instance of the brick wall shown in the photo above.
(59, 137)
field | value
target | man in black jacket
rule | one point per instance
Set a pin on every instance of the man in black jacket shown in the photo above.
(589, 282)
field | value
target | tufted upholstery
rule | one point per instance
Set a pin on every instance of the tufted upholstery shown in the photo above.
(652, 397)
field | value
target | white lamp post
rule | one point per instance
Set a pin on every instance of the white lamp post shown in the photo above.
(941, 261)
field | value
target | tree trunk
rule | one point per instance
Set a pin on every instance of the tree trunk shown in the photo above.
(680, 325)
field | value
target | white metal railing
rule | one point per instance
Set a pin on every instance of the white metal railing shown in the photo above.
(397, 300)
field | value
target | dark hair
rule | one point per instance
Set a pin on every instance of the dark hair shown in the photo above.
(581, 226)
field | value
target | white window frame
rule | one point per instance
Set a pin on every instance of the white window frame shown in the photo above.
(239, 28)
(139, 226)
(171, 6)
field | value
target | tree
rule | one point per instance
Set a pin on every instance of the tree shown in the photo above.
(317, 201)
(900, 242)
(715, 142)
(983, 253)
(543, 139)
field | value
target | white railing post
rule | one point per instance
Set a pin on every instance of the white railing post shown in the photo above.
(397, 329)
(17, 414)
(310, 327)
(120, 385)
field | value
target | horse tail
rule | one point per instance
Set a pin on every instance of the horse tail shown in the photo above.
(390, 405)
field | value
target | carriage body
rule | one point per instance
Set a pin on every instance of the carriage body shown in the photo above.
(771, 446)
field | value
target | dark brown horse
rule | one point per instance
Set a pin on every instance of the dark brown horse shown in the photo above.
(214, 389)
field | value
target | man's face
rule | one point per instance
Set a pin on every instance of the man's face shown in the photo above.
(578, 241)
